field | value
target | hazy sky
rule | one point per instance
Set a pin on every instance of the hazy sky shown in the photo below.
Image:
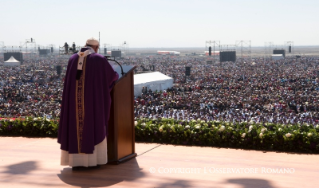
(160, 23)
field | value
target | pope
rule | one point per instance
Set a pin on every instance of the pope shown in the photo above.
(85, 108)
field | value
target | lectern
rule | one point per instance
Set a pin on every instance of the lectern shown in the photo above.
(121, 130)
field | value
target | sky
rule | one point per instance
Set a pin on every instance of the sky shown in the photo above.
(159, 23)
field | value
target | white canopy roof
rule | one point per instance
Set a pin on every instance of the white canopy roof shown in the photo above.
(12, 60)
(277, 57)
(154, 81)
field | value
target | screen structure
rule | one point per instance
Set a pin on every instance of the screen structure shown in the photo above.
(283, 52)
(116, 53)
(44, 51)
(227, 56)
(187, 71)
(58, 69)
(17, 55)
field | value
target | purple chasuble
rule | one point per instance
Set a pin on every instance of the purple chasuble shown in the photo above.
(86, 104)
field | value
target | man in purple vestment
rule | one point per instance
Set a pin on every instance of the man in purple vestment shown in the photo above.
(85, 109)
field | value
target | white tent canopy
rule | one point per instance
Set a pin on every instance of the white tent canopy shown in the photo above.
(12, 62)
(154, 81)
(277, 57)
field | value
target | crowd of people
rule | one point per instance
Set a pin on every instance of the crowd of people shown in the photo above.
(283, 91)
(32, 89)
(260, 90)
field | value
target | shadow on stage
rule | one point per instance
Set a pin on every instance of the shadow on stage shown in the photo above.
(106, 175)
(22, 168)
(250, 182)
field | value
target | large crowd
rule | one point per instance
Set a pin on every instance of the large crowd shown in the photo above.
(260, 90)
(32, 89)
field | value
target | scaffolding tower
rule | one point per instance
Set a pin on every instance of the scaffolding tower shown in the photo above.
(125, 48)
(1, 47)
(64, 50)
(51, 46)
(30, 47)
(289, 45)
(107, 47)
(244, 47)
(215, 45)
(227, 47)
(68, 49)
(268, 49)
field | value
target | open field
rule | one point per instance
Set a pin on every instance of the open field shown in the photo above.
(255, 51)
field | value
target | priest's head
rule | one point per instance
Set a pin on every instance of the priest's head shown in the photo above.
(92, 42)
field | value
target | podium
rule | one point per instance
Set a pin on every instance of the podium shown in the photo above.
(121, 130)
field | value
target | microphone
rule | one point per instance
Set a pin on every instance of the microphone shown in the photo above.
(110, 58)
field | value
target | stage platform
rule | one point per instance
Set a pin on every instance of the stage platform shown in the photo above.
(34, 162)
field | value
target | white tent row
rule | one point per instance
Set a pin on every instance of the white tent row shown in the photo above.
(154, 81)
(12, 62)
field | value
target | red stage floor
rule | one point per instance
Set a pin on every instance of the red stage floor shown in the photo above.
(34, 162)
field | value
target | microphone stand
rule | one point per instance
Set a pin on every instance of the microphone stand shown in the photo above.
(110, 59)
